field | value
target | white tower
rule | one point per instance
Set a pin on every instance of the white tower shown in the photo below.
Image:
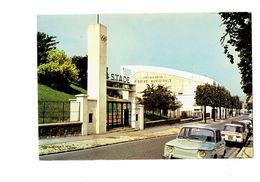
(97, 77)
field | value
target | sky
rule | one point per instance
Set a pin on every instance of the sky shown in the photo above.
(183, 41)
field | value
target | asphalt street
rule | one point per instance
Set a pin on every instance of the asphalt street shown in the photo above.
(141, 149)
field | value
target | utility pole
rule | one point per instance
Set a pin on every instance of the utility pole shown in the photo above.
(97, 18)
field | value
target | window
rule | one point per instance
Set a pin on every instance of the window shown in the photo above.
(197, 133)
(136, 117)
(233, 128)
(90, 117)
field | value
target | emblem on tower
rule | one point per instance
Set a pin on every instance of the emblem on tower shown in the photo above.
(103, 38)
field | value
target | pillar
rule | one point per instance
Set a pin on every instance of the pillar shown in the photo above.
(132, 97)
(97, 77)
(140, 122)
(74, 110)
(83, 117)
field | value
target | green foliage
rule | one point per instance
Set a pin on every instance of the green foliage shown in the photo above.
(216, 96)
(235, 102)
(220, 95)
(203, 95)
(82, 65)
(238, 31)
(58, 71)
(149, 98)
(46, 94)
(44, 44)
(159, 98)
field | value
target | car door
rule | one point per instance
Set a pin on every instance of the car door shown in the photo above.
(220, 144)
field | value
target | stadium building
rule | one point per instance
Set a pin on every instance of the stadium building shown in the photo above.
(182, 84)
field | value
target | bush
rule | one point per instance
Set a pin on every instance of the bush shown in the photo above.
(59, 71)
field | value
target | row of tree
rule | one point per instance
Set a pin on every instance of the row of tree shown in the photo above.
(160, 98)
(55, 68)
(216, 96)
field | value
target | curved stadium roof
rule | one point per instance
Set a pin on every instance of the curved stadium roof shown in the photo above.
(152, 69)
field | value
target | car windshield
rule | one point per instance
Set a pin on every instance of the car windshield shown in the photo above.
(233, 128)
(197, 134)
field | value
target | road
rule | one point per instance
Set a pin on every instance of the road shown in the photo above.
(142, 149)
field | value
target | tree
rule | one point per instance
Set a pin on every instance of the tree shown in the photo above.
(58, 71)
(221, 97)
(249, 102)
(204, 97)
(159, 98)
(235, 102)
(228, 103)
(81, 63)
(238, 35)
(213, 100)
(240, 106)
(44, 44)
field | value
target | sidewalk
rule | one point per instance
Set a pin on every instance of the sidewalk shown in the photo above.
(65, 144)
(247, 151)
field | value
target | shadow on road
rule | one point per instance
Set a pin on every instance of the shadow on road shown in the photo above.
(235, 145)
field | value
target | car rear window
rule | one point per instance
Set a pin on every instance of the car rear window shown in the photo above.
(233, 128)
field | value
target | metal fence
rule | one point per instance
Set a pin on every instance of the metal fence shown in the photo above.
(53, 112)
(156, 115)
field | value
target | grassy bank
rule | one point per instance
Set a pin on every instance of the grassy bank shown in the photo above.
(53, 105)
(46, 93)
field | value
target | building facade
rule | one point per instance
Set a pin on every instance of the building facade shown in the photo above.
(182, 84)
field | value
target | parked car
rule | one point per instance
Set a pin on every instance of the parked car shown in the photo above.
(234, 133)
(250, 116)
(248, 124)
(245, 125)
(196, 142)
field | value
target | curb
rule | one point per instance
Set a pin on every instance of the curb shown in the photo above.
(239, 155)
(102, 145)
(242, 151)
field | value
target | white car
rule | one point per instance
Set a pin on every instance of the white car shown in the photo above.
(196, 142)
(234, 133)
(246, 127)
(250, 116)
(249, 124)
